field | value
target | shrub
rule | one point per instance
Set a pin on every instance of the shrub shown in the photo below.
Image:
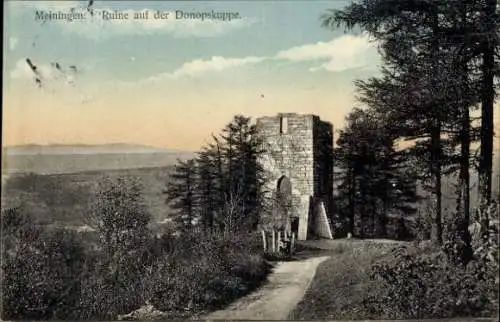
(41, 273)
(206, 272)
(437, 284)
(51, 275)
(423, 223)
(114, 281)
(426, 286)
(339, 226)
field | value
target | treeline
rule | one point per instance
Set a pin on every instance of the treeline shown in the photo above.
(377, 185)
(421, 120)
(221, 190)
(439, 66)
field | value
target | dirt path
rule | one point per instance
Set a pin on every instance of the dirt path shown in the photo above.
(278, 297)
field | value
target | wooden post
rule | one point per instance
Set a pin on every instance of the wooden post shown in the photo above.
(292, 242)
(264, 239)
(273, 238)
(278, 242)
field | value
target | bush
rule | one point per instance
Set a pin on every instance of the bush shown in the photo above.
(424, 284)
(41, 273)
(51, 275)
(206, 272)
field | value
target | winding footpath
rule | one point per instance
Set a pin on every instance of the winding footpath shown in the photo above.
(285, 288)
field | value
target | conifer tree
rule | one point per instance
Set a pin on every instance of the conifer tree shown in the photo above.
(431, 52)
(222, 187)
(376, 180)
(182, 193)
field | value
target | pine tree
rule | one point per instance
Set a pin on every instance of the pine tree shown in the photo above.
(488, 31)
(430, 52)
(207, 188)
(376, 180)
(182, 194)
(242, 147)
(223, 187)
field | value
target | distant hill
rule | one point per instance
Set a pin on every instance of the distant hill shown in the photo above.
(112, 148)
(60, 158)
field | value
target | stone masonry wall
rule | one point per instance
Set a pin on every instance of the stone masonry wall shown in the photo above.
(295, 146)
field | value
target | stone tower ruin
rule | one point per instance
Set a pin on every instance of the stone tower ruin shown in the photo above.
(299, 170)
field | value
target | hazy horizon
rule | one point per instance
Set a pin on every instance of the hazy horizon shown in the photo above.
(172, 83)
(89, 144)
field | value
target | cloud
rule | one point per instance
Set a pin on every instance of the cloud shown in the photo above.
(13, 43)
(343, 53)
(215, 64)
(200, 67)
(96, 27)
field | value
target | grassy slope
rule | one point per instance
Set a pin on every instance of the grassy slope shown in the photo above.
(341, 281)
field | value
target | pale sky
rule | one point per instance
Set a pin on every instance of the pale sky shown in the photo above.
(171, 83)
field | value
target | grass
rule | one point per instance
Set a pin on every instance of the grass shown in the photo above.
(342, 281)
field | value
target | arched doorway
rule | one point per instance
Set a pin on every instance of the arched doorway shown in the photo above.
(284, 205)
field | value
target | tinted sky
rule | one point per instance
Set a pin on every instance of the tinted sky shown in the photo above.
(170, 83)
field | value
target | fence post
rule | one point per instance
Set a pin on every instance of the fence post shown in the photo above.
(263, 233)
(278, 242)
(273, 239)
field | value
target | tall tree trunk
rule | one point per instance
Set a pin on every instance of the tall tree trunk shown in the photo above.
(383, 217)
(463, 204)
(437, 227)
(488, 96)
(436, 149)
(189, 197)
(464, 175)
(373, 216)
(352, 197)
(221, 184)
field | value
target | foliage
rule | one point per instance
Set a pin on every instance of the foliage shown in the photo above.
(438, 65)
(423, 223)
(422, 286)
(51, 275)
(439, 284)
(206, 272)
(40, 270)
(407, 282)
(221, 190)
(122, 256)
(376, 180)
(182, 193)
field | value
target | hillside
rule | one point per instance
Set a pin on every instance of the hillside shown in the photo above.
(64, 199)
(56, 159)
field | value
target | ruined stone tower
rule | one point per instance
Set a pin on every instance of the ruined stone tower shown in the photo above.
(299, 167)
